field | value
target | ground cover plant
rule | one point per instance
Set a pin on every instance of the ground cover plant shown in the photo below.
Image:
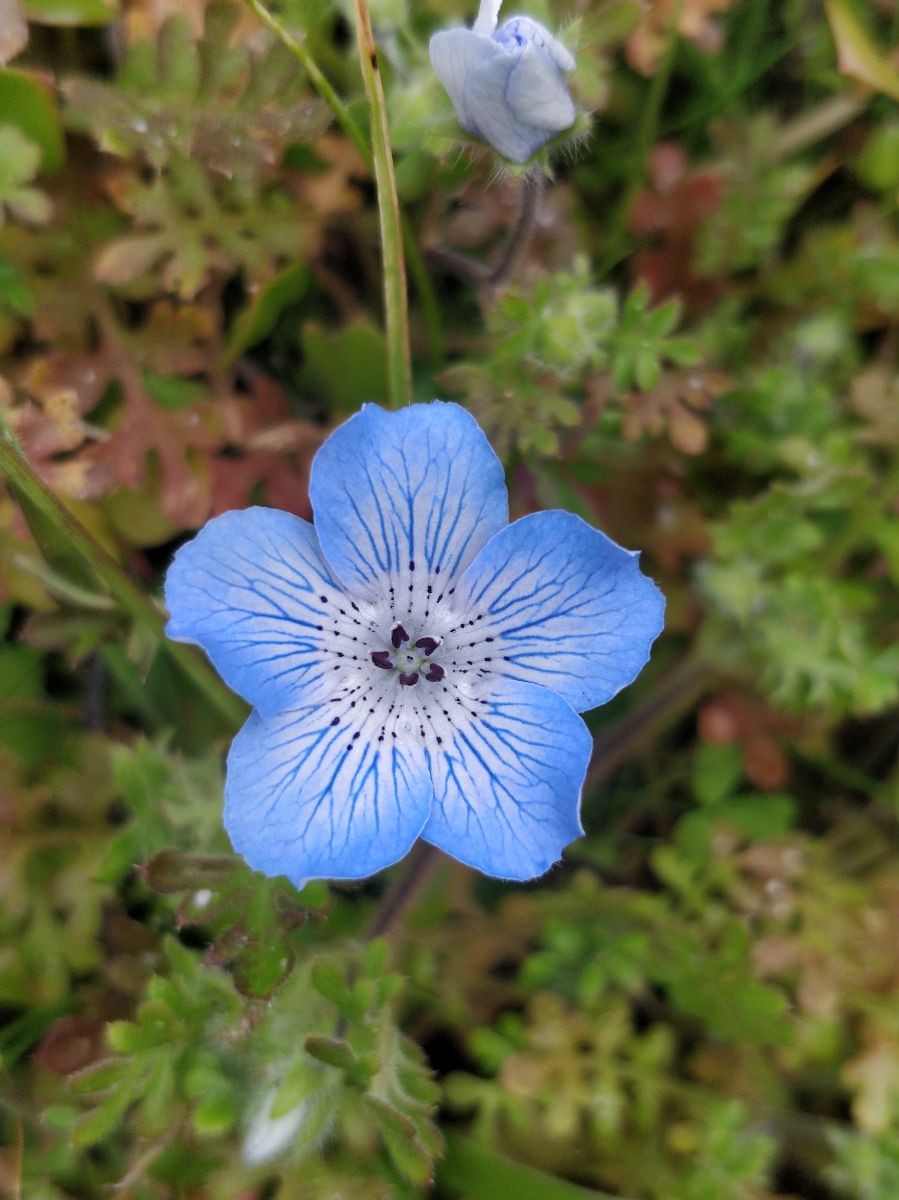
(673, 310)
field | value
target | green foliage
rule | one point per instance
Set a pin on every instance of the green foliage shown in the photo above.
(172, 1056)
(19, 162)
(546, 343)
(696, 351)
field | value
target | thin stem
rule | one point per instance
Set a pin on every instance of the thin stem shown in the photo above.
(321, 83)
(615, 249)
(396, 300)
(675, 695)
(463, 266)
(404, 891)
(129, 596)
(317, 78)
(532, 186)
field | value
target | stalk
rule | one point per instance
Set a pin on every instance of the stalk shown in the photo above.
(396, 304)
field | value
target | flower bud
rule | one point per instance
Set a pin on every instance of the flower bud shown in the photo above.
(507, 84)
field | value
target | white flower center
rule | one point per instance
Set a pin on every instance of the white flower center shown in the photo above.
(392, 673)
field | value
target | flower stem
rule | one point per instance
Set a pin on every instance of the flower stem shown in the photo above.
(516, 247)
(381, 163)
(674, 696)
(490, 278)
(69, 530)
(404, 891)
(396, 304)
(317, 78)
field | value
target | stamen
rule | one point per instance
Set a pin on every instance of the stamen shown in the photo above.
(409, 679)
(434, 673)
(382, 659)
(398, 636)
(427, 644)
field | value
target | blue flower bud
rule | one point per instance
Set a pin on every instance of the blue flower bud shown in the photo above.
(508, 84)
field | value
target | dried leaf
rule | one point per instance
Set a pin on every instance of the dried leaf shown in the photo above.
(13, 30)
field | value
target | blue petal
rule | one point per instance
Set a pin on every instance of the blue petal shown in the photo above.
(537, 93)
(555, 602)
(524, 30)
(249, 589)
(406, 499)
(310, 798)
(493, 118)
(455, 53)
(507, 784)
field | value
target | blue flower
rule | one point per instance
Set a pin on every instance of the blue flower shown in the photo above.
(414, 661)
(507, 85)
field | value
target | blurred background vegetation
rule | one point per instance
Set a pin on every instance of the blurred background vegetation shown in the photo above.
(698, 352)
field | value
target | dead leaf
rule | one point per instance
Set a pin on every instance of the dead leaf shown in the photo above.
(695, 20)
(13, 30)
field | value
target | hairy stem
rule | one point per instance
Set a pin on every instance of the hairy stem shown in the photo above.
(396, 301)
(532, 186)
(463, 266)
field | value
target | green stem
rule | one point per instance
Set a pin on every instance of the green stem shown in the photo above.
(396, 301)
(615, 248)
(128, 595)
(476, 1172)
(317, 78)
(430, 308)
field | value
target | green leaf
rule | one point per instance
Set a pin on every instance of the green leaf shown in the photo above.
(172, 391)
(173, 871)
(857, 55)
(215, 1115)
(28, 103)
(401, 1140)
(333, 1051)
(100, 1122)
(99, 1076)
(261, 315)
(14, 290)
(69, 12)
(715, 771)
(347, 367)
(472, 1171)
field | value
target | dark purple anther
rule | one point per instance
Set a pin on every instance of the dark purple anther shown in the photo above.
(409, 679)
(382, 659)
(427, 644)
(434, 673)
(398, 636)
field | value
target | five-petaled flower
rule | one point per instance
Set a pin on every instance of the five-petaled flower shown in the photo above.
(507, 85)
(414, 661)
